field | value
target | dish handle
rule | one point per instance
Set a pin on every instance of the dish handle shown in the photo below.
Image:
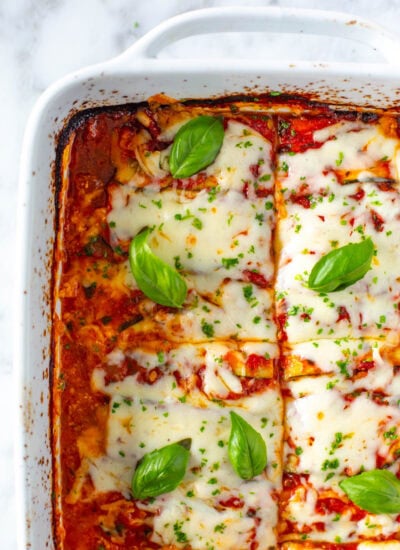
(264, 19)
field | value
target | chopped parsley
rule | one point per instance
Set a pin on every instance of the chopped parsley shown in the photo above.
(179, 534)
(330, 464)
(115, 406)
(391, 434)
(182, 217)
(207, 328)
(244, 144)
(229, 262)
(249, 296)
(212, 194)
(340, 158)
(178, 264)
(337, 442)
(197, 223)
(260, 218)
(343, 368)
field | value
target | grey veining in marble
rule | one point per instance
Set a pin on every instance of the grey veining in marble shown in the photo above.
(42, 40)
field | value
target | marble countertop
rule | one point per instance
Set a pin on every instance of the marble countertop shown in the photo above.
(43, 40)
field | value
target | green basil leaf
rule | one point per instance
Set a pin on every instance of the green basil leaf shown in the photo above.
(196, 145)
(376, 491)
(162, 470)
(246, 448)
(159, 281)
(342, 267)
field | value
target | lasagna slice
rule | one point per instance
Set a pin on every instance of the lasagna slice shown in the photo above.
(221, 243)
(321, 211)
(190, 397)
(217, 232)
(337, 427)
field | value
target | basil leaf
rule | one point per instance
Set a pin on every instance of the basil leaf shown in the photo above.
(162, 470)
(159, 281)
(195, 146)
(246, 448)
(342, 267)
(376, 491)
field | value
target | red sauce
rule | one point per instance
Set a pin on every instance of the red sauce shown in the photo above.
(255, 170)
(255, 278)
(83, 532)
(297, 134)
(343, 314)
(197, 182)
(250, 386)
(291, 481)
(302, 200)
(359, 195)
(255, 362)
(232, 502)
(378, 221)
(329, 505)
(281, 321)
(358, 514)
(365, 365)
(261, 124)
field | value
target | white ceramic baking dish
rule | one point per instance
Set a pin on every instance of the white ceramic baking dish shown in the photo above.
(134, 76)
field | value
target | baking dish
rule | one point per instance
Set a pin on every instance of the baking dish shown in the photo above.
(132, 77)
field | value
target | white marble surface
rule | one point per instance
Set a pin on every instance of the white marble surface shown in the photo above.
(42, 40)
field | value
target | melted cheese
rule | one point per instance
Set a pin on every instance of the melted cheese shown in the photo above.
(334, 219)
(319, 411)
(140, 422)
(216, 237)
(332, 436)
(355, 147)
(223, 313)
(229, 235)
(219, 365)
(344, 358)
(241, 149)
(183, 519)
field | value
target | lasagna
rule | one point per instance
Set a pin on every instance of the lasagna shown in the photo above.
(226, 327)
